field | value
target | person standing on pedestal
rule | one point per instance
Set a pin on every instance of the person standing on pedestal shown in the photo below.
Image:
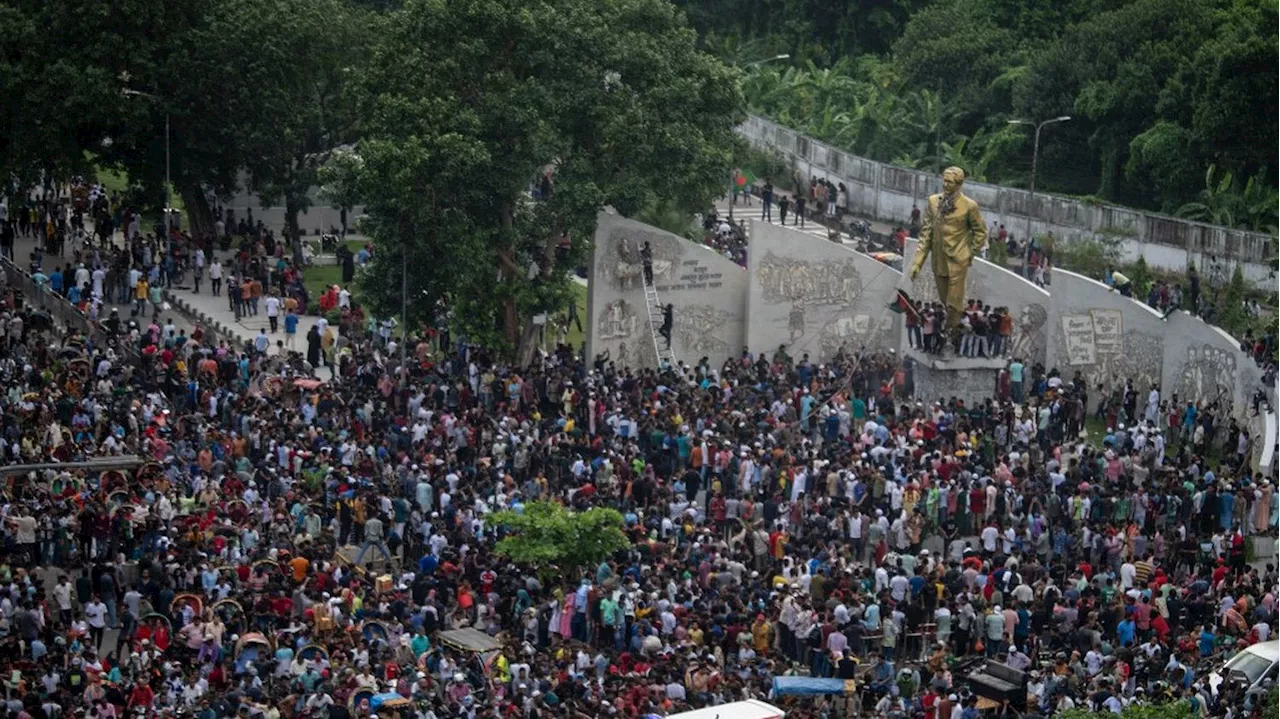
(954, 233)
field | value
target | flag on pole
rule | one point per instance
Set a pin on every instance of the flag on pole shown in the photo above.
(743, 179)
(903, 304)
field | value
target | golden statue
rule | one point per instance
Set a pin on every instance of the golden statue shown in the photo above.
(953, 232)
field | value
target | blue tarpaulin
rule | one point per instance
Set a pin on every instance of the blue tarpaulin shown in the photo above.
(811, 686)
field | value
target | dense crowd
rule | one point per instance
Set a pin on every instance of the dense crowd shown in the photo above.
(293, 548)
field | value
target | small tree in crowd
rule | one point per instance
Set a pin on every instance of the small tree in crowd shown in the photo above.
(549, 537)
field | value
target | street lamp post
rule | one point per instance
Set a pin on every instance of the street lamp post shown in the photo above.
(167, 202)
(733, 175)
(1035, 158)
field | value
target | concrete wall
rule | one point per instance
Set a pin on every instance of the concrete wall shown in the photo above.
(1204, 363)
(997, 287)
(816, 296)
(1104, 336)
(971, 382)
(708, 291)
(887, 193)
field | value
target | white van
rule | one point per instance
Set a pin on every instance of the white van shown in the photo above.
(750, 709)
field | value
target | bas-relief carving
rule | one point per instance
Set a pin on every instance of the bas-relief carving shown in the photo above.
(619, 320)
(696, 332)
(1209, 374)
(822, 316)
(620, 265)
(707, 292)
(1096, 343)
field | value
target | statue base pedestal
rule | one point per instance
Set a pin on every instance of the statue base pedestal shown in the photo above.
(969, 379)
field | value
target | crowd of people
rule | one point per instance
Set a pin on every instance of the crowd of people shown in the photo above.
(286, 547)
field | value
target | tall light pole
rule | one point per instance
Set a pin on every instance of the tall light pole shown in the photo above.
(131, 92)
(733, 174)
(1035, 151)
(1035, 158)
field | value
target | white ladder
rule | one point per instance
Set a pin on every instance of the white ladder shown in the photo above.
(665, 356)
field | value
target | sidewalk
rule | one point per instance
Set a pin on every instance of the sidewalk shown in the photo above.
(743, 213)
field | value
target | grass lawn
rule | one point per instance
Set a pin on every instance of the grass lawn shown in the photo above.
(319, 276)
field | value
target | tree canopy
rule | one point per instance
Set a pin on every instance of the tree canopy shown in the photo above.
(1159, 92)
(548, 535)
(469, 102)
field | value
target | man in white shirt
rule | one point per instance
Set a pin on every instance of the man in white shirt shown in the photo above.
(95, 614)
(272, 304)
(215, 276)
(989, 536)
(62, 598)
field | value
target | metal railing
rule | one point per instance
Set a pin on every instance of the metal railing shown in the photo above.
(64, 314)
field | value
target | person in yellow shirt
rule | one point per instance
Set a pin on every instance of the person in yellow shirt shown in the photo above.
(140, 293)
(761, 635)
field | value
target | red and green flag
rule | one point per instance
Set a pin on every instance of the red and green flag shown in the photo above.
(742, 179)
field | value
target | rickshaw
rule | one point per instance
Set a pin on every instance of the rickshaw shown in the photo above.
(231, 614)
(62, 483)
(479, 646)
(149, 472)
(313, 653)
(360, 701)
(237, 510)
(150, 625)
(117, 498)
(185, 600)
(270, 566)
(374, 629)
(250, 648)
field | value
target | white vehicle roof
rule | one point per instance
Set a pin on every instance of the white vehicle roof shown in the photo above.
(1266, 650)
(750, 709)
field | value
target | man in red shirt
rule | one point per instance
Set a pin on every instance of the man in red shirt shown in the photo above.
(142, 696)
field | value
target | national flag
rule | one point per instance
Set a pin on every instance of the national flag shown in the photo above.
(903, 304)
(742, 179)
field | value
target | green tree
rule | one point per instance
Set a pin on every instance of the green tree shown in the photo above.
(1231, 313)
(310, 111)
(1169, 710)
(550, 537)
(469, 102)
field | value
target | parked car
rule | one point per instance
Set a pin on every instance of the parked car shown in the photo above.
(1251, 666)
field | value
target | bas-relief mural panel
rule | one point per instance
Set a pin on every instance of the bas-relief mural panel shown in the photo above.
(1204, 364)
(1104, 336)
(707, 291)
(993, 286)
(815, 296)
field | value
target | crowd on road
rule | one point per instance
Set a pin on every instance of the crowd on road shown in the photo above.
(288, 547)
